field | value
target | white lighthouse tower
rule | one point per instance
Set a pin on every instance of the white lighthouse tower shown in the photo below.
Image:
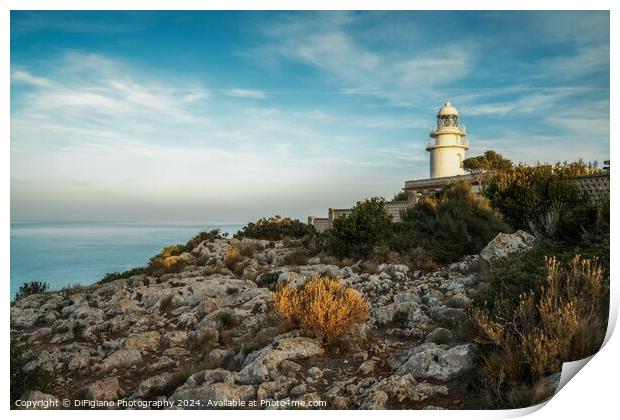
(448, 145)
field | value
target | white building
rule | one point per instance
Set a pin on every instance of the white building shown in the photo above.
(448, 145)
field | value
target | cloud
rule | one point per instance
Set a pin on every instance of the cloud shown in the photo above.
(246, 93)
(327, 43)
(21, 76)
(134, 138)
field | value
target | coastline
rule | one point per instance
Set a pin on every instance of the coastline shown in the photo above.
(63, 253)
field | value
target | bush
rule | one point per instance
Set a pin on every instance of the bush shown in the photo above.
(249, 249)
(358, 233)
(25, 380)
(210, 236)
(227, 319)
(297, 257)
(448, 225)
(419, 259)
(275, 228)
(31, 288)
(544, 199)
(109, 277)
(322, 308)
(169, 260)
(268, 280)
(566, 320)
(232, 256)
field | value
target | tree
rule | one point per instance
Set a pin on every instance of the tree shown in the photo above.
(451, 223)
(483, 166)
(358, 233)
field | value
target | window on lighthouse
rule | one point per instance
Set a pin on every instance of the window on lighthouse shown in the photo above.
(447, 121)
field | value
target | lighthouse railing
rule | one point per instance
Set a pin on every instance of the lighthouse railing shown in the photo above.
(461, 142)
(435, 129)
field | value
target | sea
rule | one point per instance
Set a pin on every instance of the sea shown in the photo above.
(64, 253)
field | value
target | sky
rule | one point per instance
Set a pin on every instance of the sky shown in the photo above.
(231, 116)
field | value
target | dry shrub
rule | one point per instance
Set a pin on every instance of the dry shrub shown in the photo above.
(419, 259)
(329, 260)
(232, 257)
(565, 321)
(369, 267)
(299, 256)
(322, 308)
(249, 249)
(169, 260)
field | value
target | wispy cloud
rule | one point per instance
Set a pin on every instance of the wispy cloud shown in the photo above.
(246, 93)
(326, 43)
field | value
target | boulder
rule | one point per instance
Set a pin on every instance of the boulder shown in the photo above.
(432, 361)
(402, 315)
(400, 388)
(214, 396)
(397, 271)
(156, 385)
(122, 359)
(106, 389)
(439, 336)
(146, 341)
(505, 244)
(218, 357)
(376, 400)
(259, 364)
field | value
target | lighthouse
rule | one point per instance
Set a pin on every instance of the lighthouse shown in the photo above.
(448, 143)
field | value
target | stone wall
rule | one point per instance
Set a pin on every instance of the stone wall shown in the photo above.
(595, 186)
(395, 208)
(321, 224)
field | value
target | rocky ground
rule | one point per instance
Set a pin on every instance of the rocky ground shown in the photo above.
(207, 334)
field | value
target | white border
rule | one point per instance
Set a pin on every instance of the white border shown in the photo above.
(592, 395)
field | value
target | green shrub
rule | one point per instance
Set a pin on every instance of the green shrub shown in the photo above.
(358, 233)
(544, 199)
(26, 380)
(227, 319)
(448, 225)
(299, 256)
(268, 280)
(109, 277)
(31, 288)
(275, 228)
(201, 237)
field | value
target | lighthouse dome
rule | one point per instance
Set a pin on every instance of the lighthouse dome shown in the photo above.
(447, 109)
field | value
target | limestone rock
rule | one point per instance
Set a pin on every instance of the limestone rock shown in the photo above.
(122, 359)
(106, 389)
(431, 361)
(217, 357)
(155, 385)
(259, 364)
(213, 394)
(505, 244)
(400, 388)
(439, 336)
(146, 341)
(377, 400)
